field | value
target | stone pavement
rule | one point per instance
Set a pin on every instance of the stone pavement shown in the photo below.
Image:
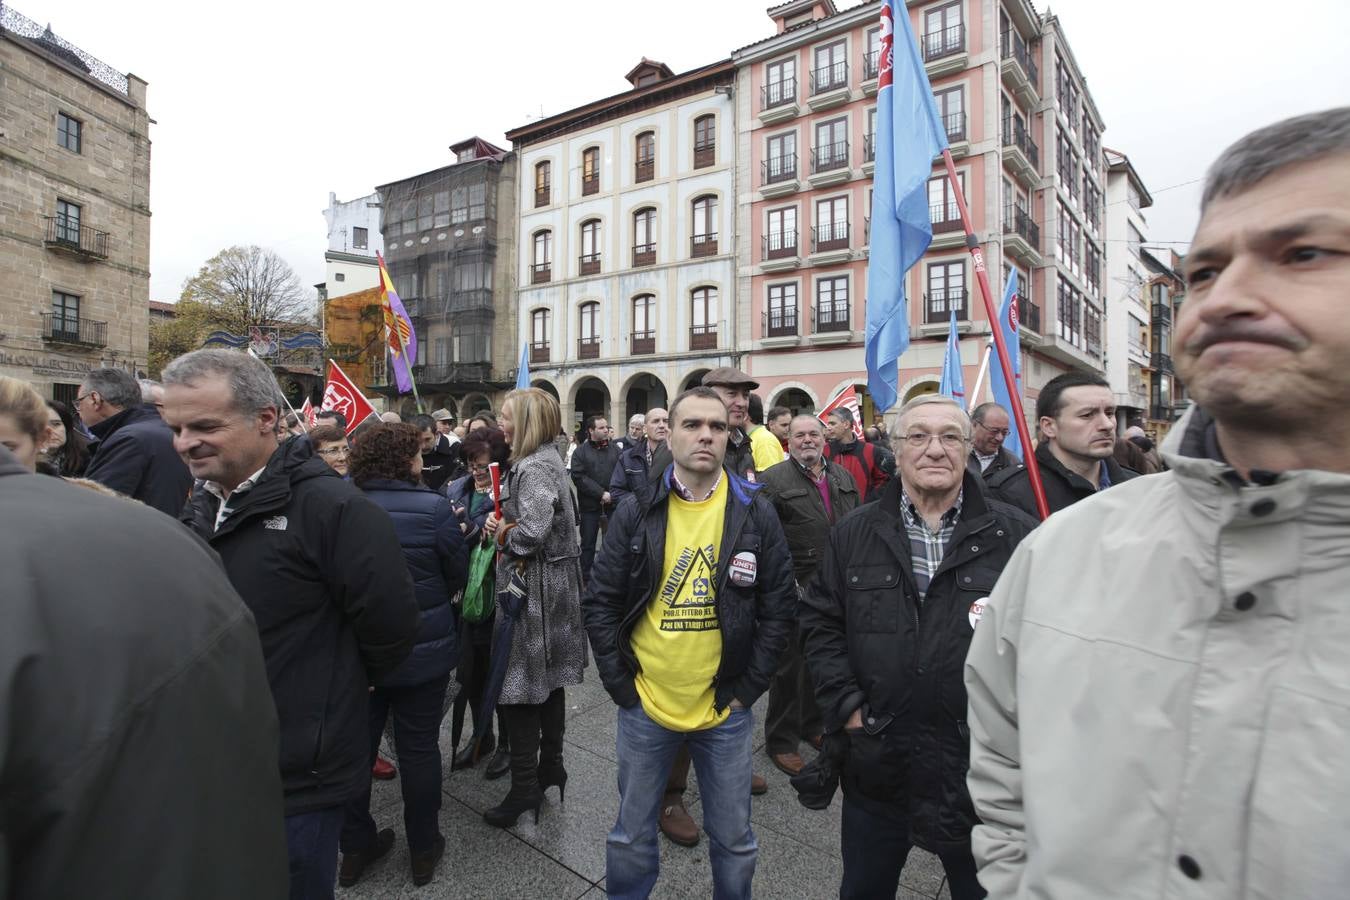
(563, 856)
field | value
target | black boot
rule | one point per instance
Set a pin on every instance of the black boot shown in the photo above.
(552, 724)
(522, 729)
(466, 759)
(500, 763)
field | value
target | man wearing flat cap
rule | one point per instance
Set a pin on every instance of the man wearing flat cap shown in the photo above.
(743, 457)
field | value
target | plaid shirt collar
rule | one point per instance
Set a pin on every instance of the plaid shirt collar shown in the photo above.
(679, 490)
(927, 547)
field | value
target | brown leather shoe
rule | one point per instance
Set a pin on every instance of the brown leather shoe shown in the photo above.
(677, 824)
(791, 763)
(354, 864)
(758, 785)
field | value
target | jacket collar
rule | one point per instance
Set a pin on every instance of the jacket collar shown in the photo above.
(292, 462)
(105, 429)
(392, 484)
(1049, 461)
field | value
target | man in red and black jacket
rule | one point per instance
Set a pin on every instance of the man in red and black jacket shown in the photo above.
(870, 469)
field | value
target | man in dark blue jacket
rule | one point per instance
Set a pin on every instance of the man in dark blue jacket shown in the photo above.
(319, 566)
(592, 467)
(688, 610)
(640, 466)
(133, 449)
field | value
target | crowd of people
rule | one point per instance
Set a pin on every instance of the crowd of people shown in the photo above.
(1144, 695)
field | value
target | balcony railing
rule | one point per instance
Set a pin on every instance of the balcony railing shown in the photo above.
(830, 236)
(588, 263)
(704, 155)
(1162, 314)
(1138, 347)
(955, 123)
(778, 93)
(939, 305)
(542, 194)
(588, 348)
(541, 273)
(1028, 314)
(644, 255)
(869, 147)
(643, 342)
(463, 301)
(703, 244)
(777, 169)
(1094, 348)
(1014, 47)
(1017, 220)
(937, 44)
(453, 373)
(780, 321)
(829, 156)
(66, 233)
(590, 184)
(828, 78)
(780, 244)
(831, 315)
(539, 352)
(703, 337)
(65, 329)
(1161, 362)
(870, 65)
(1160, 412)
(644, 170)
(1015, 135)
(945, 216)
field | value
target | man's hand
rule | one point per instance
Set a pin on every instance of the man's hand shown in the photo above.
(491, 525)
(604, 498)
(854, 721)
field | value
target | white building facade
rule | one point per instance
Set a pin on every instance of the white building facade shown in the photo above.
(627, 242)
(353, 240)
(1127, 311)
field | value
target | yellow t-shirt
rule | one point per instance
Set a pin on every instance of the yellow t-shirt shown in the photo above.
(765, 448)
(677, 641)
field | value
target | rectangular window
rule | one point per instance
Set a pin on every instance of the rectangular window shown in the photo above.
(831, 150)
(781, 157)
(65, 312)
(360, 238)
(590, 171)
(872, 55)
(831, 68)
(705, 141)
(781, 238)
(780, 83)
(1136, 240)
(951, 105)
(589, 323)
(459, 206)
(943, 31)
(942, 209)
(440, 209)
(832, 304)
(946, 291)
(644, 315)
(69, 133)
(831, 224)
(781, 320)
(67, 222)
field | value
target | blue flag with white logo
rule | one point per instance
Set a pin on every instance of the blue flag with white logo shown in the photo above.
(1007, 320)
(909, 134)
(953, 382)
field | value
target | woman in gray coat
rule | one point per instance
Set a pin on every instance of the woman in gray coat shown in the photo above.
(537, 536)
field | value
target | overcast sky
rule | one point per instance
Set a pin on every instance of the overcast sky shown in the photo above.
(262, 109)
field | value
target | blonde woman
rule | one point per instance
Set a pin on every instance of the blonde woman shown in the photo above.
(23, 421)
(537, 537)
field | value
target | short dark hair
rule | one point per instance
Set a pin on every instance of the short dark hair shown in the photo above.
(1051, 400)
(117, 388)
(423, 422)
(702, 391)
(326, 434)
(487, 440)
(590, 421)
(1270, 150)
(756, 410)
(332, 414)
(386, 450)
(776, 411)
(842, 413)
(978, 413)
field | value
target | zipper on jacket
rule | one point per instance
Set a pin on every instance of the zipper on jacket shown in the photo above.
(737, 528)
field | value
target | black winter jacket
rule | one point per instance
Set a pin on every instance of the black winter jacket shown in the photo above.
(633, 476)
(796, 499)
(139, 739)
(592, 468)
(1062, 487)
(869, 643)
(134, 455)
(320, 567)
(438, 562)
(754, 620)
(1003, 461)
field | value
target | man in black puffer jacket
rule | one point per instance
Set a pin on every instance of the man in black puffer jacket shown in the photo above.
(885, 626)
(593, 465)
(319, 566)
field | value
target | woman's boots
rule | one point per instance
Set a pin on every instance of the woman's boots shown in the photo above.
(552, 719)
(522, 731)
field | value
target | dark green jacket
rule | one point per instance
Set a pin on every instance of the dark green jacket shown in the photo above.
(801, 511)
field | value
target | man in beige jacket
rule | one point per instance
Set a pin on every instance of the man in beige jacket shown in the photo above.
(1159, 688)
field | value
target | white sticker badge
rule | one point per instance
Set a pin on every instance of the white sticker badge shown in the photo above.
(977, 611)
(744, 568)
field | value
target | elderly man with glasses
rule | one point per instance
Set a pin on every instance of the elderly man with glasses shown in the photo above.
(987, 454)
(884, 626)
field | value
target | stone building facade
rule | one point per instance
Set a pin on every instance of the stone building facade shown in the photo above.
(74, 211)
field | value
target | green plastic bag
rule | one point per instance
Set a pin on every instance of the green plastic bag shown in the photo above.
(479, 593)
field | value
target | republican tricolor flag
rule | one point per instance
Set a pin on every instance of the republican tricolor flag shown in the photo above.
(398, 331)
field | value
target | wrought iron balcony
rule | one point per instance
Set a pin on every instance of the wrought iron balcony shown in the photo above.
(643, 342)
(778, 93)
(589, 264)
(829, 156)
(644, 255)
(453, 373)
(703, 245)
(778, 169)
(1017, 220)
(939, 305)
(1161, 362)
(541, 273)
(829, 78)
(1015, 135)
(542, 194)
(644, 169)
(829, 236)
(1028, 314)
(871, 66)
(590, 184)
(588, 348)
(1013, 47)
(831, 315)
(703, 337)
(65, 329)
(948, 41)
(1162, 314)
(869, 147)
(539, 351)
(955, 124)
(780, 245)
(704, 155)
(65, 233)
(945, 216)
(779, 321)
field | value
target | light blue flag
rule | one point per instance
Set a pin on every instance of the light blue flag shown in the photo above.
(1007, 320)
(953, 380)
(523, 373)
(909, 134)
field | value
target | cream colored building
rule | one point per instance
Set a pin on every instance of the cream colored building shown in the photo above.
(74, 211)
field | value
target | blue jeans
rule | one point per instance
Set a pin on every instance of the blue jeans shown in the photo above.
(722, 760)
(312, 843)
(875, 849)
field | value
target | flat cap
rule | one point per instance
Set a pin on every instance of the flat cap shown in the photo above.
(442, 414)
(730, 376)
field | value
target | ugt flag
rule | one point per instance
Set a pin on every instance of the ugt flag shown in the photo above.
(1007, 320)
(909, 134)
(953, 382)
(398, 331)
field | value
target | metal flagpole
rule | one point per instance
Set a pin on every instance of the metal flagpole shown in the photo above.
(979, 379)
(982, 276)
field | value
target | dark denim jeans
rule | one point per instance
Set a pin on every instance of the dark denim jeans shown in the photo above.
(312, 843)
(590, 533)
(417, 728)
(875, 849)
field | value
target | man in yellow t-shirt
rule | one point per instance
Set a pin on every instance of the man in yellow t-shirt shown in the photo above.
(688, 610)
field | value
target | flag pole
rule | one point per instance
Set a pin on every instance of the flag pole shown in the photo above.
(982, 276)
(403, 348)
(979, 379)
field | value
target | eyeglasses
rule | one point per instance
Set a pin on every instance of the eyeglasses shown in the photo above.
(918, 440)
(997, 432)
(83, 397)
(336, 451)
(478, 468)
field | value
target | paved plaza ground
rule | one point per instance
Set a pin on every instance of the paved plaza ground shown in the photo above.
(563, 857)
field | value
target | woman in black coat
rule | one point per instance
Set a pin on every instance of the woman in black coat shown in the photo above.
(471, 497)
(386, 464)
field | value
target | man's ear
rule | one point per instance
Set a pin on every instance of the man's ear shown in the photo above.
(1047, 426)
(268, 419)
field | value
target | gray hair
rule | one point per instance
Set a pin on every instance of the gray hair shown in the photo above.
(637, 419)
(117, 388)
(1270, 150)
(978, 413)
(842, 413)
(148, 388)
(252, 384)
(936, 400)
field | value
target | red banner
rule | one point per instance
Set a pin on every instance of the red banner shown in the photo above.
(342, 396)
(847, 398)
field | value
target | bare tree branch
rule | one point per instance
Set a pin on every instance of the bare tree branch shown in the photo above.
(243, 286)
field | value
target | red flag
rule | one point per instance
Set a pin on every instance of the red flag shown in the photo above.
(847, 398)
(307, 413)
(343, 396)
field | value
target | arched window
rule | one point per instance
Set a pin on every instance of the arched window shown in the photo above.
(543, 183)
(705, 141)
(644, 237)
(703, 315)
(703, 240)
(590, 247)
(590, 171)
(588, 330)
(644, 324)
(541, 268)
(645, 167)
(539, 336)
